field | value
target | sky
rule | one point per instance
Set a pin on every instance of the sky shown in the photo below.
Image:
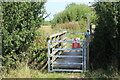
(55, 6)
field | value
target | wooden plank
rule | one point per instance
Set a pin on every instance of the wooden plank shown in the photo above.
(75, 33)
(88, 38)
(42, 63)
(44, 67)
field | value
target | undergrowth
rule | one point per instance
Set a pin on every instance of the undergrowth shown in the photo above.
(100, 73)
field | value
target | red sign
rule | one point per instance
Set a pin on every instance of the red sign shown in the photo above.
(76, 45)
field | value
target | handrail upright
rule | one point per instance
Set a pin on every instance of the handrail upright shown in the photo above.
(52, 57)
(48, 56)
(84, 57)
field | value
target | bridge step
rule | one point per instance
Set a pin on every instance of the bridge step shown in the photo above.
(72, 70)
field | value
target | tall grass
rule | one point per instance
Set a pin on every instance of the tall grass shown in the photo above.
(23, 71)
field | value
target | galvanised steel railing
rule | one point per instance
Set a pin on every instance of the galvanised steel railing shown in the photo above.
(56, 49)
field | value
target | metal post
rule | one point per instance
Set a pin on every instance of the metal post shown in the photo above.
(52, 57)
(84, 56)
(83, 60)
(90, 29)
(48, 56)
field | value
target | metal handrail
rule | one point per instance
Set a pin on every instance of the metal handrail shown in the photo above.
(51, 63)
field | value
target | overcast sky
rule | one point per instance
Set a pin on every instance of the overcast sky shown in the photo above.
(55, 6)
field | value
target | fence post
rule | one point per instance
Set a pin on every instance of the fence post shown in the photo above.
(88, 39)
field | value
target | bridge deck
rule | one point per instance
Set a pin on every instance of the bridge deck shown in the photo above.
(73, 62)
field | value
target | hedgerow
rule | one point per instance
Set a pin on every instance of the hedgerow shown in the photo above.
(20, 21)
(105, 47)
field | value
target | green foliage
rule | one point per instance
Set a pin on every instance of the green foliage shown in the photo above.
(70, 5)
(73, 12)
(105, 48)
(21, 19)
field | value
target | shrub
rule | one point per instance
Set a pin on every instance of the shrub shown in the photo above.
(20, 21)
(105, 47)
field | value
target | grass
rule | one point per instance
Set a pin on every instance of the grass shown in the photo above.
(59, 75)
(23, 71)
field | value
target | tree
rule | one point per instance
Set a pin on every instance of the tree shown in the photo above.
(72, 4)
(73, 12)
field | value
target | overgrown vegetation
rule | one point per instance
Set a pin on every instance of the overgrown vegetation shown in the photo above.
(105, 47)
(20, 21)
(100, 73)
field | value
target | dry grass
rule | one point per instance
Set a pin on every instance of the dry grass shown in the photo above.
(46, 29)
